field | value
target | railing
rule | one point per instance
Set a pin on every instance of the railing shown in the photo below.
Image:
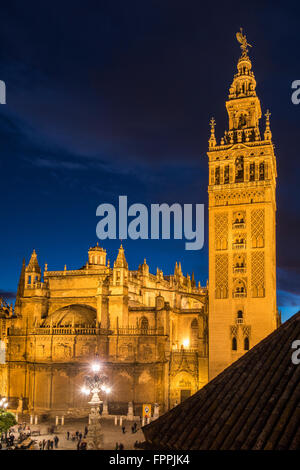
(239, 270)
(58, 331)
(36, 285)
(185, 350)
(238, 225)
(239, 246)
(85, 331)
(138, 331)
(239, 294)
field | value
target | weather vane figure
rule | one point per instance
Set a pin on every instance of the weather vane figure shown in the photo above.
(243, 41)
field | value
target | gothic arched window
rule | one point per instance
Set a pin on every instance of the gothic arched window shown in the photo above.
(194, 335)
(234, 344)
(246, 344)
(144, 324)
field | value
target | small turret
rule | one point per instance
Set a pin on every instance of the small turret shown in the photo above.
(97, 256)
(193, 280)
(145, 268)
(32, 271)
(120, 270)
(121, 260)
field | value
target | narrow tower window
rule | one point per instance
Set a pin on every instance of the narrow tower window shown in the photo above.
(239, 170)
(246, 344)
(234, 344)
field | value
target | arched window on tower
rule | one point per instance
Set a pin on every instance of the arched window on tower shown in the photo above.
(240, 316)
(242, 118)
(252, 172)
(144, 325)
(261, 171)
(234, 344)
(239, 169)
(246, 344)
(226, 174)
(194, 333)
(217, 175)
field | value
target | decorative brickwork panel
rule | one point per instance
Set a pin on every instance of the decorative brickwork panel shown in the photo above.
(258, 273)
(221, 277)
(233, 331)
(258, 228)
(221, 231)
(246, 330)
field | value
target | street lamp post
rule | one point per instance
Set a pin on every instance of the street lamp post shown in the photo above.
(3, 403)
(95, 384)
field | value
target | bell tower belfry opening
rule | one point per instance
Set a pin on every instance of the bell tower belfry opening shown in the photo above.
(242, 240)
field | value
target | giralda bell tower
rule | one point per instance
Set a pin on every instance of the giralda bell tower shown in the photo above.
(242, 208)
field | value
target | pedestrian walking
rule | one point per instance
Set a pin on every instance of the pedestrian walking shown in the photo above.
(56, 439)
(123, 429)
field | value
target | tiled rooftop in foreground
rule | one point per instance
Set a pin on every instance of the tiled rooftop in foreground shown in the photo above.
(254, 404)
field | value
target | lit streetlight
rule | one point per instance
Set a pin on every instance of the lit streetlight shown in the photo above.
(3, 403)
(95, 384)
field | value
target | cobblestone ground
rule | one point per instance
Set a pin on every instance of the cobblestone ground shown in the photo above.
(111, 434)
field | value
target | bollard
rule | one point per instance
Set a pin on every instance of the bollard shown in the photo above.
(56, 420)
(116, 420)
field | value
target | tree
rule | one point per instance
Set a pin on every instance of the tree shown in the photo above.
(7, 420)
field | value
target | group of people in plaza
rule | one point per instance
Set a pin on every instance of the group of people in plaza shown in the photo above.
(49, 444)
(79, 437)
(133, 428)
(16, 436)
(22, 436)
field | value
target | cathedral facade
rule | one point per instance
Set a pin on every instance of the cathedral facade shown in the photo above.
(149, 331)
(160, 338)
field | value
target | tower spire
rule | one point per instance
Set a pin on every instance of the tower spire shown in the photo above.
(243, 105)
(21, 285)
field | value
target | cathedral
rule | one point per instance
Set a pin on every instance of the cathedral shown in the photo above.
(160, 338)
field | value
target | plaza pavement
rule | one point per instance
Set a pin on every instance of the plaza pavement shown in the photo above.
(111, 434)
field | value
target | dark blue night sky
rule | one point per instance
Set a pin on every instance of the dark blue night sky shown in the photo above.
(109, 98)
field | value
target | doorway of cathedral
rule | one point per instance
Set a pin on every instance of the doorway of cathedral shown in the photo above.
(184, 394)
